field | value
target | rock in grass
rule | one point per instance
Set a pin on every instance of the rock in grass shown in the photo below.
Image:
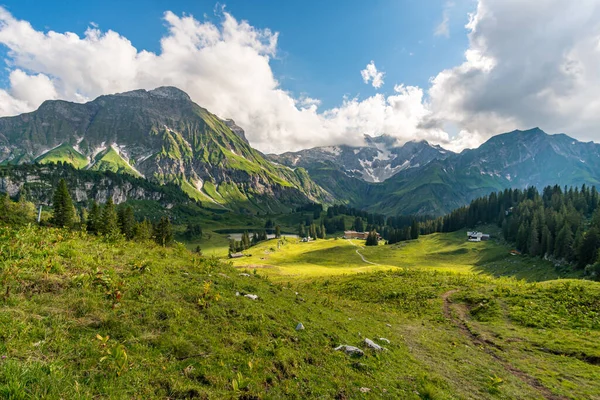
(350, 350)
(364, 390)
(244, 274)
(299, 327)
(251, 296)
(382, 339)
(373, 345)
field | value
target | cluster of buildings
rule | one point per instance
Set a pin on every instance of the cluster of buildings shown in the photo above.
(358, 235)
(475, 236)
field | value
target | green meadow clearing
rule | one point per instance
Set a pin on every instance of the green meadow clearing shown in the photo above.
(85, 317)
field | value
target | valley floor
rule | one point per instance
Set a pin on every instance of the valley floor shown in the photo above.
(85, 318)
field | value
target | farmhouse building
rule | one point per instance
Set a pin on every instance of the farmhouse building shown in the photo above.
(475, 236)
(358, 235)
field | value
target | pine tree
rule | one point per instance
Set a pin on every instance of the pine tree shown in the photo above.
(564, 242)
(534, 244)
(358, 225)
(163, 232)
(323, 231)
(588, 250)
(4, 207)
(301, 231)
(414, 229)
(143, 230)
(109, 225)
(126, 222)
(63, 210)
(372, 239)
(313, 231)
(94, 219)
(277, 232)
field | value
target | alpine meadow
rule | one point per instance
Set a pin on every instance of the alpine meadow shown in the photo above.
(303, 200)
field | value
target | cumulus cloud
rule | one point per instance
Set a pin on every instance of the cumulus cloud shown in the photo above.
(527, 64)
(371, 74)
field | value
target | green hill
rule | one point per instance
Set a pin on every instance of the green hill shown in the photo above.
(84, 317)
(110, 160)
(65, 154)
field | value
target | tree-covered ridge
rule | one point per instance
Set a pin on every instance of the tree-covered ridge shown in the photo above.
(559, 223)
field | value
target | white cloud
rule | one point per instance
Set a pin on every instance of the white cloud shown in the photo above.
(371, 74)
(443, 29)
(528, 64)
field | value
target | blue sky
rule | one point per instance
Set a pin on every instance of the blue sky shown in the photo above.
(491, 67)
(323, 45)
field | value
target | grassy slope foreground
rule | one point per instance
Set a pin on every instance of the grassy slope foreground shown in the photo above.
(83, 318)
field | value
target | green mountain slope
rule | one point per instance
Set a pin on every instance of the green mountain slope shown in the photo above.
(65, 154)
(110, 160)
(167, 138)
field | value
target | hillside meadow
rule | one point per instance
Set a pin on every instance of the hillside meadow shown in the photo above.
(85, 317)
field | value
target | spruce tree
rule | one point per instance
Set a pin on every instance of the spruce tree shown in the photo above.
(414, 229)
(277, 232)
(126, 222)
(143, 230)
(5, 208)
(63, 210)
(109, 224)
(588, 250)
(163, 232)
(94, 218)
(371, 239)
(301, 231)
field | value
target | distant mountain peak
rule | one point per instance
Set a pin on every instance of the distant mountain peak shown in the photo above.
(169, 92)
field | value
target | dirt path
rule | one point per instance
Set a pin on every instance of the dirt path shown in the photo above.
(361, 256)
(490, 347)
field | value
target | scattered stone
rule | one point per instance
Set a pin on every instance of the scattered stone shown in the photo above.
(244, 274)
(251, 296)
(300, 327)
(364, 390)
(388, 325)
(382, 339)
(373, 345)
(237, 293)
(223, 275)
(350, 350)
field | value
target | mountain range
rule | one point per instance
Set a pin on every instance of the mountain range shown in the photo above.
(163, 136)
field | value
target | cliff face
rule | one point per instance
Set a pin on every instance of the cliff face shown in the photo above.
(39, 183)
(163, 136)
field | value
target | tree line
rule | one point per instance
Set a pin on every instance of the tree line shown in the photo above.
(104, 220)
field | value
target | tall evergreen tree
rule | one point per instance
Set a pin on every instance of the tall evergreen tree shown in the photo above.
(109, 225)
(372, 239)
(414, 229)
(63, 211)
(94, 219)
(277, 231)
(163, 232)
(588, 250)
(143, 230)
(126, 222)
(301, 231)
(359, 225)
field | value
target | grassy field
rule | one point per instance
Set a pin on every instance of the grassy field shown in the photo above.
(83, 317)
(439, 252)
